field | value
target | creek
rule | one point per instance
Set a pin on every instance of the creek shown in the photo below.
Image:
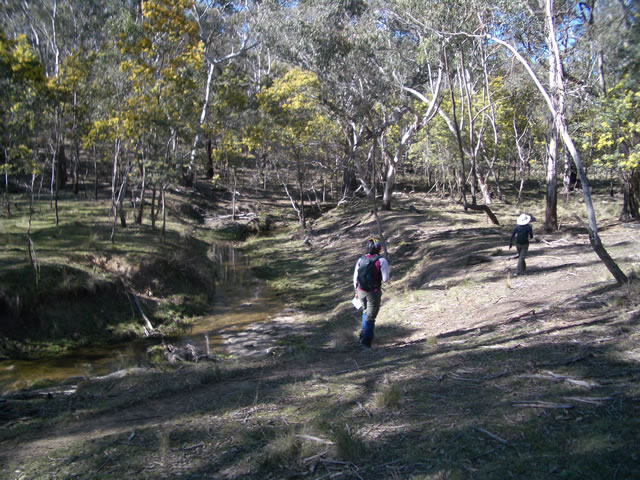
(240, 301)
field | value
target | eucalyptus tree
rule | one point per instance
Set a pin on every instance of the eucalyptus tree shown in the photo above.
(65, 36)
(467, 107)
(295, 123)
(41, 22)
(555, 93)
(226, 31)
(22, 88)
(162, 56)
(354, 51)
(610, 123)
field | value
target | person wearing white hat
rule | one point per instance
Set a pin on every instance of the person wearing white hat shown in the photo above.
(522, 233)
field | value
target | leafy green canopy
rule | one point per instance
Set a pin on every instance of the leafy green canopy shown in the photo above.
(22, 83)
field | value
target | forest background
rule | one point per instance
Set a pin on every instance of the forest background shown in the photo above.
(320, 97)
(135, 114)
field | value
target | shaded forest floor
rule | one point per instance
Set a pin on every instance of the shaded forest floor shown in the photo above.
(475, 373)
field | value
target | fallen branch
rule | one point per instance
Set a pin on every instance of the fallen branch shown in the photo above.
(193, 447)
(364, 409)
(43, 393)
(312, 458)
(346, 229)
(492, 435)
(593, 401)
(568, 361)
(109, 459)
(518, 317)
(144, 317)
(541, 404)
(315, 439)
(561, 378)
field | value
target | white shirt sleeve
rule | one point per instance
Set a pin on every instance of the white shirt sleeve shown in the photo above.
(384, 269)
(355, 274)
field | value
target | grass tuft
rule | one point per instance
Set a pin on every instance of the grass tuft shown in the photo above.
(282, 450)
(94, 241)
(348, 445)
(164, 442)
(389, 397)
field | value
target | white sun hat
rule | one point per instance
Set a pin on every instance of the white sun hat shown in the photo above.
(523, 219)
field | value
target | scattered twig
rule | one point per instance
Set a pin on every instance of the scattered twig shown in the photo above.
(567, 361)
(632, 312)
(101, 466)
(336, 462)
(455, 376)
(541, 404)
(599, 340)
(492, 435)
(346, 229)
(593, 401)
(312, 458)
(364, 409)
(193, 447)
(518, 317)
(136, 419)
(561, 378)
(315, 439)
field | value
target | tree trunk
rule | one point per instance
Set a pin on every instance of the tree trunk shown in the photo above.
(551, 198)
(303, 220)
(631, 195)
(121, 196)
(191, 171)
(153, 207)
(210, 171)
(389, 185)
(114, 176)
(119, 202)
(453, 124)
(523, 159)
(233, 196)
(143, 174)
(95, 170)
(76, 144)
(5, 159)
(164, 213)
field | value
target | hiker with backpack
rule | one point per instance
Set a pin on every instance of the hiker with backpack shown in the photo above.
(371, 270)
(522, 233)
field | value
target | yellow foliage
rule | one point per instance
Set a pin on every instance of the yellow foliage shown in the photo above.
(617, 123)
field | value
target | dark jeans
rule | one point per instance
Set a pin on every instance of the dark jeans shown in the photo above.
(370, 308)
(522, 248)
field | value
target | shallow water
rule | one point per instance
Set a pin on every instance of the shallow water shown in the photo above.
(240, 300)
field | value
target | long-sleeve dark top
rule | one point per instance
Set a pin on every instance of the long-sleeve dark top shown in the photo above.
(521, 233)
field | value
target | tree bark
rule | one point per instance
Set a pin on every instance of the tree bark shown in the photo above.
(143, 174)
(631, 195)
(153, 207)
(303, 220)
(551, 197)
